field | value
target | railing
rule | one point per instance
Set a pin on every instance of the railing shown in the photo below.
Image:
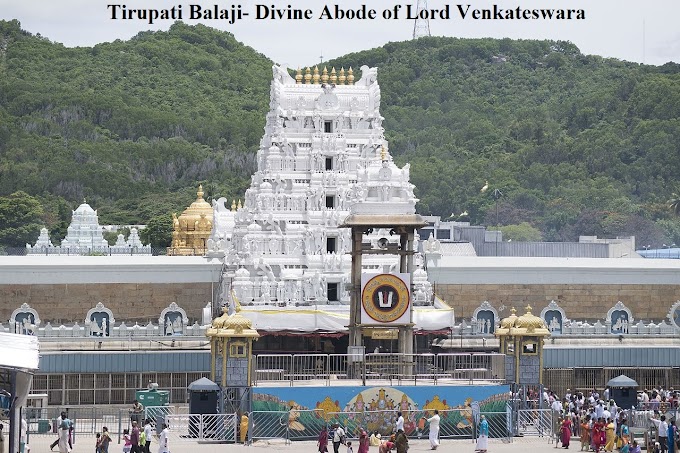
(201, 428)
(396, 368)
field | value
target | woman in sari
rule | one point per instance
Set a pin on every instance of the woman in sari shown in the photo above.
(671, 436)
(585, 433)
(598, 427)
(364, 442)
(625, 437)
(322, 442)
(610, 437)
(565, 431)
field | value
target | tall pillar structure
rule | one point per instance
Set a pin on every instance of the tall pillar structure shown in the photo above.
(382, 300)
(231, 345)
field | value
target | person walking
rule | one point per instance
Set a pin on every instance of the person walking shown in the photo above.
(322, 441)
(104, 441)
(400, 422)
(338, 438)
(483, 437)
(2, 439)
(147, 435)
(434, 430)
(56, 429)
(364, 443)
(134, 438)
(625, 436)
(610, 436)
(671, 436)
(23, 437)
(64, 434)
(565, 431)
(163, 440)
(662, 429)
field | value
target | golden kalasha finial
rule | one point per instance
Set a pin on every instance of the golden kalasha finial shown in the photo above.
(342, 77)
(383, 154)
(298, 76)
(324, 75)
(528, 309)
(308, 76)
(199, 194)
(316, 75)
(233, 205)
(513, 311)
(350, 76)
(333, 78)
(239, 206)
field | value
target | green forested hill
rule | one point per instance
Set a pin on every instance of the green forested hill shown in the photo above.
(576, 144)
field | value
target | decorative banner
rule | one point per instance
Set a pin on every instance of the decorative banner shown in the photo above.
(385, 299)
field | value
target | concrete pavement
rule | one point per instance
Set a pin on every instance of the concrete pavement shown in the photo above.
(41, 444)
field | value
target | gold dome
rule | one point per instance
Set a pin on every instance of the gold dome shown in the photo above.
(235, 325)
(509, 322)
(192, 228)
(530, 322)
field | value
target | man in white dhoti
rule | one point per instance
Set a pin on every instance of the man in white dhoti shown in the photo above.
(64, 433)
(163, 440)
(434, 430)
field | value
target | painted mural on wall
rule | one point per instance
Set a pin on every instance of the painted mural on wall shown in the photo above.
(374, 408)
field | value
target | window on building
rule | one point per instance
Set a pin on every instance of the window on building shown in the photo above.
(332, 291)
(330, 202)
(328, 126)
(237, 349)
(330, 245)
(443, 234)
(329, 163)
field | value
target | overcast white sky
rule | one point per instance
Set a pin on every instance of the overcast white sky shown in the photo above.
(612, 28)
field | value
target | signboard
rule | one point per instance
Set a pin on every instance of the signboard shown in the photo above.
(385, 299)
(384, 334)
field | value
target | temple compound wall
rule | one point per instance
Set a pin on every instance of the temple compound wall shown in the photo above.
(136, 289)
(580, 301)
(585, 288)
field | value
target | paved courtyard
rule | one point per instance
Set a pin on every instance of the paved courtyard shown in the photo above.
(40, 444)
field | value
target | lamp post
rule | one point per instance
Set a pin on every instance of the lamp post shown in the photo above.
(496, 195)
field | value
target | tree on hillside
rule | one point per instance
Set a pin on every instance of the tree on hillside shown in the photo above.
(675, 202)
(20, 219)
(158, 231)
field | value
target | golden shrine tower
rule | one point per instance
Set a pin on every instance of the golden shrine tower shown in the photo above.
(191, 230)
(521, 340)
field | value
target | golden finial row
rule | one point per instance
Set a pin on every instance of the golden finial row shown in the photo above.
(312, 76)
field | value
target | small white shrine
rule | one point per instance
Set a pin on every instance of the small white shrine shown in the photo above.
(85, 236)
(323, 156)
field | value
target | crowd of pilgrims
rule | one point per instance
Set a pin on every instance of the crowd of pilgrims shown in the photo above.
(603, 426)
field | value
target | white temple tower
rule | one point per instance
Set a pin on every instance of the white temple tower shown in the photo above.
(84, 230)
(323, 152)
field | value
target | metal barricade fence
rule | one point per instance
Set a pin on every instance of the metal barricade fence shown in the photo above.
(379, 366)
(201, 427)
(272, 367)
(86, 421)
(534, 422)
(308, 366)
